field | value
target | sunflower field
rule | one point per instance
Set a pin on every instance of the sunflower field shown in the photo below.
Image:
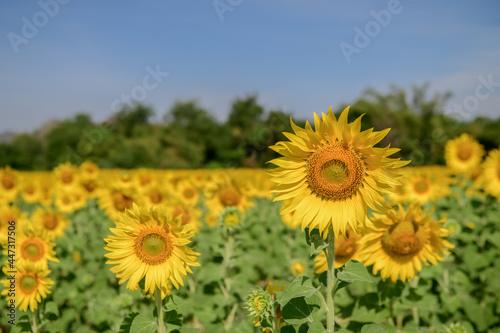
(337, 236)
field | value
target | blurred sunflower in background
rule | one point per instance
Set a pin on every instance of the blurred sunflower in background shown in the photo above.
(32, 284)
(463, 154)
(346, 248)
(66, 175)
(9, 184)
(51, 221)
(115, 199)
(149, 244)
(400, 241)
(423, 185)
(333, 173)
(11, 213)
(491, 173)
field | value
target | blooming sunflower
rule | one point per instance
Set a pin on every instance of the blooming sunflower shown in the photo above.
(491, 173)
(9, 185)
(346, 248)
(32, 284)
(30, 191)
(33, 246)
(89, 170)
(228, 194)
(11, 213)
(463, 154)
(154, 195)
(297, 268)
(188, 193)
(423, 185)
(146, 243)
(66, 175)
(187, 214)
(333, 173)
(116, 199)
(400, 241)
(51, 221)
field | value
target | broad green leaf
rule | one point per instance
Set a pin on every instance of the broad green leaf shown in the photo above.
(142, 324)
(372, 329)
(173, 302)
(51, 311)
(316, 327)
(173, 317)
(354, 271)
(298, 311)
(300, 287)
(127, 322)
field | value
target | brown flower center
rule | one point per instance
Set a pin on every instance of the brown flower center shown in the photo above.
(32, 249)
(464, 152)
(90, 186)
(8, 181)
(335, 171)
(153, 246)
(122, 202)
(188, 193)
(421, 186)
(28, 284)
(155, 196)
(229, 196)
(30, 189)
(403, 239)
(50, 221)
(181, 211)
(345, 247)
(67, 177)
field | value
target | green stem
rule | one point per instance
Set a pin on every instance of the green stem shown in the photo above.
(35, 324)
(159, 310)
(330, 282)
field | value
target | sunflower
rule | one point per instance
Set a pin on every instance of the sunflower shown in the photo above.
(65, 201)
(154, 196)
(34, 247)
(187, 214)
(346, 248)
(297, 268)
(230, 218)
(9, 185)
(187, 192)
(423, 185)
(491, 173)
(400, 241)
(31, 283)
(8, 214)
(228, 194)
(116, 199)
(333, 173)
(89, 170)
(51, 221)
(30, 191)
(146, 243)
(463, 154)
(66, 175)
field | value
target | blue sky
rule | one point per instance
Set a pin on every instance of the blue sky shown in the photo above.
(90, 53)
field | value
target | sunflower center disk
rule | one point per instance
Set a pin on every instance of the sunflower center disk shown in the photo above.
(67, 177)
(32, 250)
(464, 152)
(229, 197)
(188, 193)
(155, 197)
(50, 222)
(153, 246)
(8, 182)
(421, 186)
(28, 283)
(403, 240)
(335, 171)
(121, 202)
(345, 248)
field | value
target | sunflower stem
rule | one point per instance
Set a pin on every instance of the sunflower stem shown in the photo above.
(159, 310)
(35, 323)
(330, 282)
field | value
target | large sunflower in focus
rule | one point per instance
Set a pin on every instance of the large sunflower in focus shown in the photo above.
(400, 241)
(463, 154)
(333, 173)
(491, 173)
(147, 244)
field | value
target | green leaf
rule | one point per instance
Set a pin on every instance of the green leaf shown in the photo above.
(354, 271)
(372, 329)
(300, 287)
(173, 317)
(51, 311)
(127, 322)
(316, 327)
(298, 311)
(24, 324)
(142, 324)
(173, 302)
